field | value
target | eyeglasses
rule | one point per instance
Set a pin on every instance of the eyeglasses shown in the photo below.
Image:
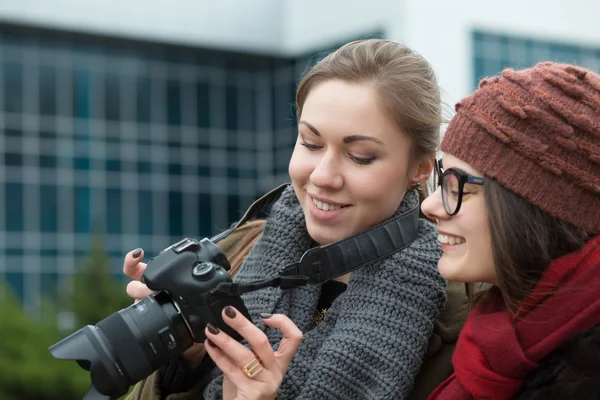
(453, 182)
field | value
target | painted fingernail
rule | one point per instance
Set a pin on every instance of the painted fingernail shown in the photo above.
(230, 312)
(265, 315)
(210, 343)
(136, 253)
(213, 329)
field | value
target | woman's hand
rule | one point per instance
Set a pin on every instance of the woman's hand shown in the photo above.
(134, 268)
(231, 356)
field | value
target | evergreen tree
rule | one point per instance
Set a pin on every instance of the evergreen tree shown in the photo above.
(96, 293)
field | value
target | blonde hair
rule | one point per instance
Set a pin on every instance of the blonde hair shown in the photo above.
(404, 80)
(238, 244)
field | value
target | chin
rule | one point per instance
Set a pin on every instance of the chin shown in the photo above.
(450, 270)
(322, 237)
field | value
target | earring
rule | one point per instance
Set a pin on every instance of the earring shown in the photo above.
(417, 185)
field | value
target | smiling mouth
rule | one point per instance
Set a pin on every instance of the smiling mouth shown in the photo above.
(326, 206)
(451, 240)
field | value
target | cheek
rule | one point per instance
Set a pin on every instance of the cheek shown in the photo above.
(299, 167)
(481, 249)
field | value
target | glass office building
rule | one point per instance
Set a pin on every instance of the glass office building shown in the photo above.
(143, 142)
(493, 52)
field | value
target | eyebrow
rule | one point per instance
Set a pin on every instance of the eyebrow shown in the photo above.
(347, 139)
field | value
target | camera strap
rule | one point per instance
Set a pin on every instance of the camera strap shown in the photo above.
(323, 263)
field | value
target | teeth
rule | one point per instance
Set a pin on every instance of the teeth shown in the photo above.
(325, 206)
(451, 240)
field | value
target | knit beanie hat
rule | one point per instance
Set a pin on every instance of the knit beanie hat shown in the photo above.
(537, 132)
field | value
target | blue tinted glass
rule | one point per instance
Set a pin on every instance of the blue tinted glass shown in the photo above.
(112, 97)
(145, 212)
(81, 203)
(82, 107)
(13, 86)
(48, 209)
(175, 214)
(247, 120)
(144, 167)
(203, 105)
(143, 99)
(49, 284)
(113, 210)
(81, 163)
(204, 214)
(234, 210)
(13, 211)
(47, 90)
(175, 169)
(231, 107)
(113, 165)
(47, 161)
(15, 283)
(173, 103)
(13, 159)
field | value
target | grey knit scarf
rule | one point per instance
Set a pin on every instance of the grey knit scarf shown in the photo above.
(373, 338)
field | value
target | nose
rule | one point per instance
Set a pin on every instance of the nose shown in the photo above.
(433, 207)
(327, 172)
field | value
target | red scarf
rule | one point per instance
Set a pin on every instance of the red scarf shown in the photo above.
(495, 351)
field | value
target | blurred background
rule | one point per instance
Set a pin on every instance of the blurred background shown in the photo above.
(128, 124)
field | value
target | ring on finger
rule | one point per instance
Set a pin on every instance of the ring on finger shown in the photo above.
(252, 368)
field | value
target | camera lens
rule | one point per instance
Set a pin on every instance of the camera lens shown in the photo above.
(128, 345)
(204, 271)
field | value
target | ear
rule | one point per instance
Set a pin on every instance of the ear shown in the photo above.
(423, 171)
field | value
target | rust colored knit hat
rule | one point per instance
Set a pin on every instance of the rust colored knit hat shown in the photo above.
(537, 132)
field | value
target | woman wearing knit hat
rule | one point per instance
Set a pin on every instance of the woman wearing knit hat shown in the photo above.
(369, 116)
(518, 207)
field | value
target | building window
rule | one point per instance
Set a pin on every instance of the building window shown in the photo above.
(493, 53)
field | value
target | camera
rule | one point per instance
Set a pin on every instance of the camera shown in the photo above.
(130, 344)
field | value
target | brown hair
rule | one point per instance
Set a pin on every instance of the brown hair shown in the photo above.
(525, 240)
(404, 80)
(238, 244)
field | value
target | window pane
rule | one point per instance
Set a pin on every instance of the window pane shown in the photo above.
(173, 103)
(13, 193)
(14, 281)
(82, 215)
(145, 212)
(112, 97)
(82, 94)
(113, 210)
(13, 86)
(202, 102)
(231, 107)
(143, 99)
(48, 208)
(47, 98)
(175, 214)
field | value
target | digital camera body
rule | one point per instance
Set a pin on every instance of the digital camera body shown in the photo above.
(130, 344)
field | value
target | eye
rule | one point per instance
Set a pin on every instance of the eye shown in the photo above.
(310, 147)
(360, 160)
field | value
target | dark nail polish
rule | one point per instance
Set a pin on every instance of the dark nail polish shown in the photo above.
(210, 343)
(136, 253)
(230, 312)
(213, 329)
(265, 315)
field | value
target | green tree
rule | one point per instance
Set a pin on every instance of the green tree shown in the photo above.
(27, 369)
(96, 294)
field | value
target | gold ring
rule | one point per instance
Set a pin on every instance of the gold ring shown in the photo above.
(253, 368)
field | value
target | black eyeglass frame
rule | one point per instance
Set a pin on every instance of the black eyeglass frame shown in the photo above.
(462, 178)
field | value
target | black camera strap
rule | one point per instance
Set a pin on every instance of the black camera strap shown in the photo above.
(324, 263)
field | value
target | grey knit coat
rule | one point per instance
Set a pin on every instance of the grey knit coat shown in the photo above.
(374, 336)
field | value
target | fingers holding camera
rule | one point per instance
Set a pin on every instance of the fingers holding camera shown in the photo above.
(132, 266)
(256, 373)
(137, 290)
